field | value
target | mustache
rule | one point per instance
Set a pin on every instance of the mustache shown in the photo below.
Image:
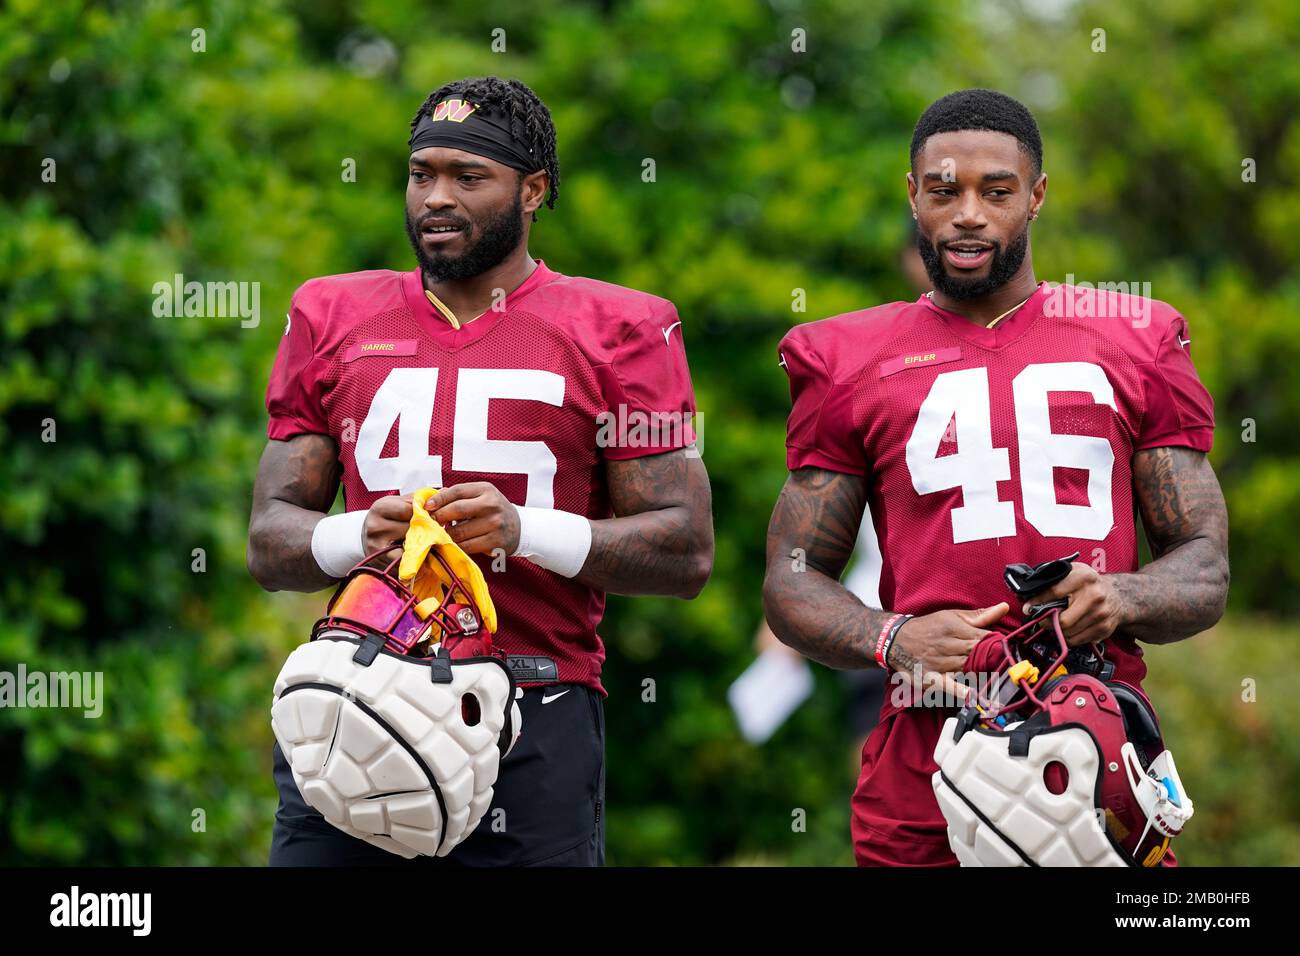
(995, 243)
(444, 220)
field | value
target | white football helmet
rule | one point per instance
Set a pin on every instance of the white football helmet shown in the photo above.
(398, 750)
(1056, 768)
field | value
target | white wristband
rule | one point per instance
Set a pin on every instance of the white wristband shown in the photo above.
(556, 540)
(338, 542)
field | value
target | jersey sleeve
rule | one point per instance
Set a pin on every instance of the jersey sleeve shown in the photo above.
(1179, 409)
(647, 390)
(293, 395)
(820, 432)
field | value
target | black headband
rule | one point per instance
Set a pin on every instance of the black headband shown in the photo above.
(459, 124)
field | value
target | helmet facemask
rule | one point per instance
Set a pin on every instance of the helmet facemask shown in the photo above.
(372, 600)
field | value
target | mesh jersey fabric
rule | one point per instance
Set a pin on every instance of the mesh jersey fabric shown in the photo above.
(514, 398)
(983, 447)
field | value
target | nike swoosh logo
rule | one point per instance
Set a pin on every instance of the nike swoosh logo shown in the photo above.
(669, 331)
(547, 700)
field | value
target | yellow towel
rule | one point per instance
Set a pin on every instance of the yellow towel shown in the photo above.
(427, 578)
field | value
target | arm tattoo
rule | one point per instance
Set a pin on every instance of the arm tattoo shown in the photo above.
(296, 484)
(661, 541)
(900, 658)
(810, 539)
(1185, 588)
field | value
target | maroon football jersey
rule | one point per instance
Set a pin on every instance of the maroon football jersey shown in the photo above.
(981, 448)
(511, 398)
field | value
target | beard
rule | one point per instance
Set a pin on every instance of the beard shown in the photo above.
(498, 235)
(1006, 263)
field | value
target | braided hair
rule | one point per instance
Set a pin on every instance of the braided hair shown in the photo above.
(530, 120)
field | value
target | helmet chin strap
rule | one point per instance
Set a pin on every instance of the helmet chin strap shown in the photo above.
(1145, 830)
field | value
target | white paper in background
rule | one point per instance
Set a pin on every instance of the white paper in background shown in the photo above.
(863, 579)
(768, 692)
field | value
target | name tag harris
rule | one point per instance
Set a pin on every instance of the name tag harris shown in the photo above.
(386, 347)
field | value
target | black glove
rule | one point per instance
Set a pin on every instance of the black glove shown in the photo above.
(1026, 581)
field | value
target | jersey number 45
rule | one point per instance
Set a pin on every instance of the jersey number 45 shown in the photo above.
(406, 397)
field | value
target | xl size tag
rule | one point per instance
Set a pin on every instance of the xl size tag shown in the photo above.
(530, 669)
(916, 359)
(386, 347)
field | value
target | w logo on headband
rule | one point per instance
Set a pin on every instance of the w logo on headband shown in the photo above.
(457, 111)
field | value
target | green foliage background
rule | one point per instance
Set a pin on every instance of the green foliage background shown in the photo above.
(776, 170)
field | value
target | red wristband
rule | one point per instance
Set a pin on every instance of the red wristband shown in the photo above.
(880, 641)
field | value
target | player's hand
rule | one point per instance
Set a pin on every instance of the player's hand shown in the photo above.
(387, 521)
(939, 643)
(484, 518)
(1095, 609)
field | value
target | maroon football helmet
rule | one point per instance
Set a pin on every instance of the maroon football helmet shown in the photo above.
(372, 600)
(1044, 687)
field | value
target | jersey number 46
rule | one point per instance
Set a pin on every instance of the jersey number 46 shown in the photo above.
(977, 467)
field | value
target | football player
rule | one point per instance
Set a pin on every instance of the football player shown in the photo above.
(994, 420)
(553, 412)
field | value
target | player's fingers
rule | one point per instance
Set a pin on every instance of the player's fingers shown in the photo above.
(393, 508)
(967, 635)
(471, 528)
(1079, 573)
(481, 544)
(983, 617)
(1083, 608)
(913, 679)
(959, 690)
(953, 691)
(459, 510)
(949, 666)
(1090, 634)
(446, 496)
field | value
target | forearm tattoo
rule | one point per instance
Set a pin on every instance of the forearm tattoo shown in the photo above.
(810, 539)
(1184, 589)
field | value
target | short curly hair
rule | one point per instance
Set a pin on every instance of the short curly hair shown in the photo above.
(980, 109)
(530, 120)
